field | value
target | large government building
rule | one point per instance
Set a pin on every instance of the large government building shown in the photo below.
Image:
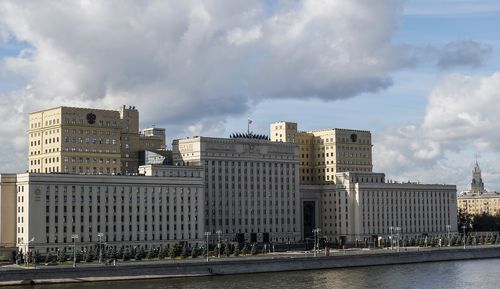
(251, 186)
(86, 176)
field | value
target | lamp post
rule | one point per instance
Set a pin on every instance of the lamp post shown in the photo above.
(448, 229)
(219, 232)
(398, 231)
(463, 227)
(27, 249)
(391, 229)
(207, 234)
(100, 235)
(74, 237)
(316, 240)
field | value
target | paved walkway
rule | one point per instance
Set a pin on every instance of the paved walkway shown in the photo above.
(277, 255)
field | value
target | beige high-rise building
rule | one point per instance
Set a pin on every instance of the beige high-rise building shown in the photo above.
(88, 141)
(478, 200)
(323, 153)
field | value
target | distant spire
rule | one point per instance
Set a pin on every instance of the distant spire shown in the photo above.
(476, 169)
(477, 185)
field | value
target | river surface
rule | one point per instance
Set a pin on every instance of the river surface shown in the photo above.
(455, 274)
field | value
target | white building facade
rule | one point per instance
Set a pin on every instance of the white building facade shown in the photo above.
(251, 186)
(363, 206)
(128, 210)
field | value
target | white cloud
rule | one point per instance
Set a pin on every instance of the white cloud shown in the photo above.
(462, 118)
(465, 108)
(186, 62)
(239, 36)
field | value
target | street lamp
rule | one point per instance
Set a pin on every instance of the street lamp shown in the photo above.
(207, 234)
(219, 232)
(74, 237)
(448, 229)
(27, 248)
(398, 231)
(391, 229)
(463, 227)
(100, 235)
(316, 240)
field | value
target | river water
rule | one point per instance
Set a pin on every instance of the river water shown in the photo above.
(455, 274)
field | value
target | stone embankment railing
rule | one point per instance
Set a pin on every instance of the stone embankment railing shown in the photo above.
(129, 271)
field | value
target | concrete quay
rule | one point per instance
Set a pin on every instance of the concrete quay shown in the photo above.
(239, 265)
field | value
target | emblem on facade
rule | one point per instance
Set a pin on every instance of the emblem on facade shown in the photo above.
(91, 118)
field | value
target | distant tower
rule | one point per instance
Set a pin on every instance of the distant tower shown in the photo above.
(477, 185)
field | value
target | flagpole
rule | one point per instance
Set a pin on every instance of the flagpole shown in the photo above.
(249, 122)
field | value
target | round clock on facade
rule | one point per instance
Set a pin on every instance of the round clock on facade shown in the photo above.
(354, 137)
(91, 118)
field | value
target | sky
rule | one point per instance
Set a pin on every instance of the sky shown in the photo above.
(423, 76)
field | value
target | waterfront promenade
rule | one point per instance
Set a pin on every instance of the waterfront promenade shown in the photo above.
(290, 261)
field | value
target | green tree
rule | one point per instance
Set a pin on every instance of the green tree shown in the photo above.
(195, 252)
(464, 219)
(221, 249)
(484, 222)
(89, 255)
(37, 257)
(162, 253)
(184, 252)
(151, 254)
(49, 257)
(227, 250)
(104, 253)
(245, 250)
(119, 253)
(139, 254)
(175, 250)
(79, 256)
(126, 255)
(236, 251)
(204, 252)
(489, 239)
(253, 251)
(62, 256)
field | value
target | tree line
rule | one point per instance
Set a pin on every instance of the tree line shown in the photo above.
(137, 253)
(478, 223)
